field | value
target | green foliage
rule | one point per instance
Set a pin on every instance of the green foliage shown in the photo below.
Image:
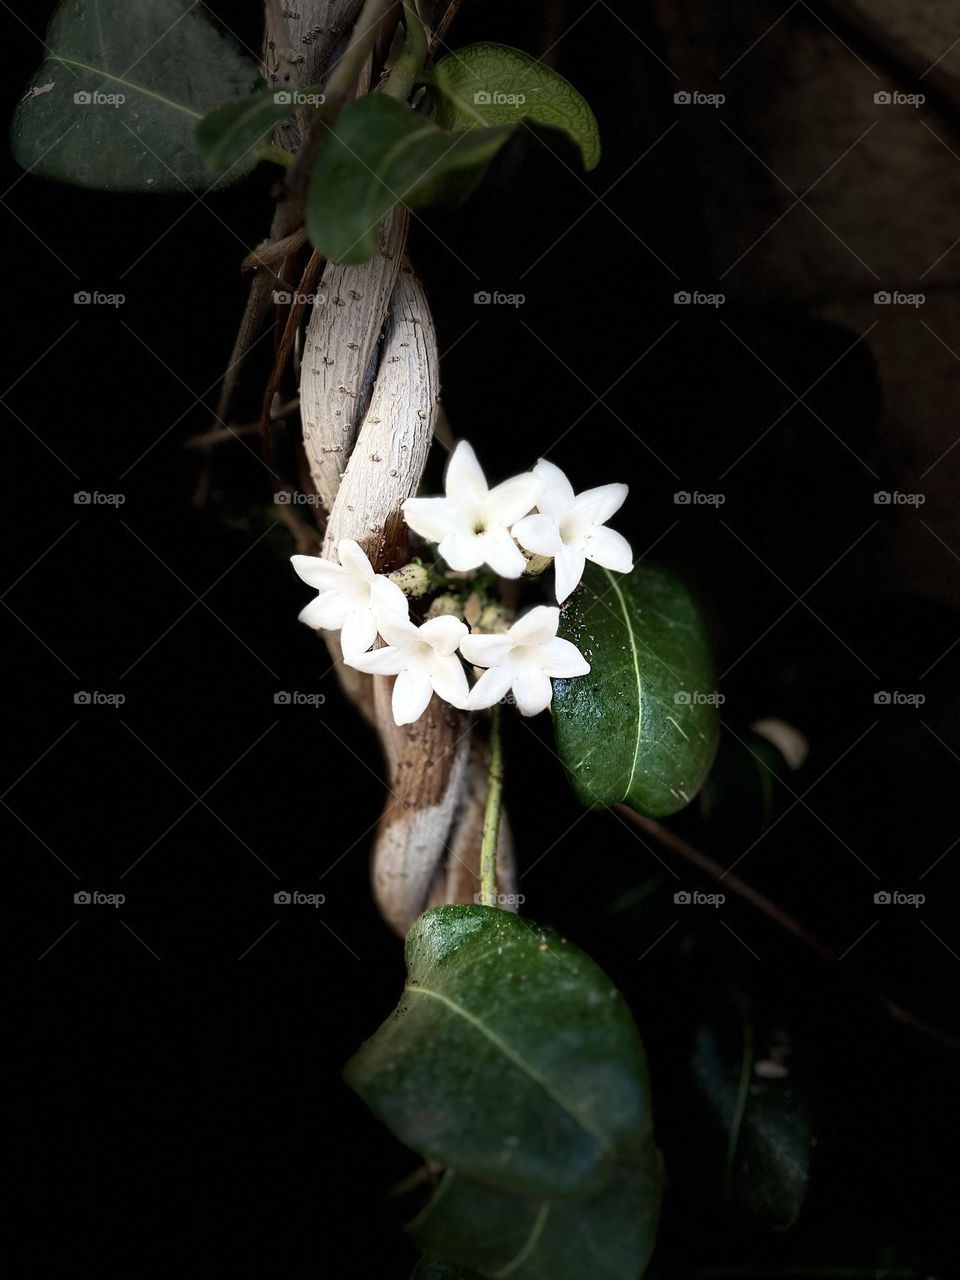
(494, 84)
(642, 727)
(751, 1116)
(228, 133)
(608, 1235)
(117, 99)
(380, 153)
(510, 1058)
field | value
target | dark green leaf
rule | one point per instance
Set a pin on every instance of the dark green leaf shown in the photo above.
(227, 133)
(493, 84)
(117, 99)
(750, 1114)
(742, 792)
(380, 153)
(642, 726)
(610, 1235)
(510, 1058)
(435, 1269)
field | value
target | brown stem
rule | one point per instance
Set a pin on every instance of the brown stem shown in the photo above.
(309, 278)
(668, 839)
(444, 26)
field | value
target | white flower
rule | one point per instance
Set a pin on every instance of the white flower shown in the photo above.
(352, 597)
(570, 527)
(424, 660)
(472, 523)
(523, 660)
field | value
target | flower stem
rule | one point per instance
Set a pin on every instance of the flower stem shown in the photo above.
(491, 814)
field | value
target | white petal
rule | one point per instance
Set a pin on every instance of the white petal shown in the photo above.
(449, 680)
(354, 558)
(502, 554)
(443, 634)
(610, 549)
(558, 496)
(386, 597)
(432, 518)
(465, 483)
(359, 632)
(537, 626)
(597, 505)
(379, 662)
(462, 551)
(327, 610)
(485, 651)
(411, 694)
(561, 658)
(510, 501)
(539, 533)
(396, 630)
(322, 575)
(568, 570)
(532, 690)
(492, 686)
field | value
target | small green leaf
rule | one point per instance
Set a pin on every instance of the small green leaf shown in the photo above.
(642, 726)
(510, 1058)
(227, 133)
(609, 1236)
(117, 99)
(751, 1122)
(380, 153)
(493, 84)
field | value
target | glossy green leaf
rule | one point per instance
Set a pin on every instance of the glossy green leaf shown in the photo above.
(494, 84)
(511, 1057)
(609, 1236)
(642, 726)
(751, 1117)
(380, 153)
(116, 102)
(226, 134)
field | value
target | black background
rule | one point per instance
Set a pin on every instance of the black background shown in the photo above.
(184, 1051)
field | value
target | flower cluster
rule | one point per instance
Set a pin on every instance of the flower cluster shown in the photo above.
(476, 525)
(473, 525)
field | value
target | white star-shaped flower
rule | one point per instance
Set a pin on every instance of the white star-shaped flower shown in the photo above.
(472, 523)
(424, 660)
(570, 527)
(352, 597)
(524, 660)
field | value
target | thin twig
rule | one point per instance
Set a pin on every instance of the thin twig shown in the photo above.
(668, 839)
(444, 26)
(309, 278)
(220, 435)
(491, 814)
